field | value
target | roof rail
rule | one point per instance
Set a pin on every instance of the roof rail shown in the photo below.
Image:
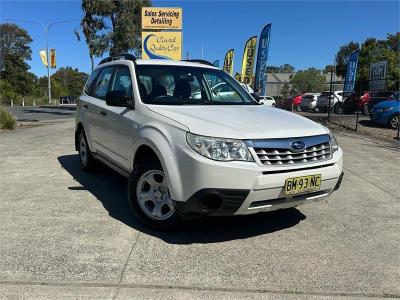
(126, 56)
(200, 61)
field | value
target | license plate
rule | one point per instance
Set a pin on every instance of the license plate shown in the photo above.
(302, 184)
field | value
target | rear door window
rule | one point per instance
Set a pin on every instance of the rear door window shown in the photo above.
(102, 85)
(90, 81)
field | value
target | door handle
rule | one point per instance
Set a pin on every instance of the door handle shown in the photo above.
(85, 106)
(103, 113)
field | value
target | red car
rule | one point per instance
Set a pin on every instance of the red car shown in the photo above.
(297, 100)
(353, 103)
(291, 102)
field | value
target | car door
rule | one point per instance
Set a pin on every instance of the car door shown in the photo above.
(96, 108)
(118, 128)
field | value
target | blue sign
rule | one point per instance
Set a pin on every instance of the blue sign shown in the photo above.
(260, 82)
(351, 72)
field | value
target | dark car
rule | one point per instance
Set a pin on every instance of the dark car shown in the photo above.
(377, 97)
(353, 103)
(291, 102)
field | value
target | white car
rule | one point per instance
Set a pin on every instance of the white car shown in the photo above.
(267, 100)
(309, 101)
(188, 157)
(330, 99)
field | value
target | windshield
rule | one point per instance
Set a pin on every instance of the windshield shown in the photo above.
(181, 85)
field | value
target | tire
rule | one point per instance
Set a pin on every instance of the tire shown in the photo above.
(365, 110)
(149, 197)
(338, 108)
(394, 121)
(88, 163)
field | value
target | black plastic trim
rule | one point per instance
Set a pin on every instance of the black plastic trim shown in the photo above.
(339, 182)
(228, 201)
(300, 169)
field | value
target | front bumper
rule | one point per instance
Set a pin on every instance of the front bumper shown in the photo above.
(225, 188)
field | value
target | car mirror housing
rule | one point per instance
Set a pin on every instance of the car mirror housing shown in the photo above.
(118, 98)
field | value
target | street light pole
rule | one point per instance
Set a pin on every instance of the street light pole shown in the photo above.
(46, 31)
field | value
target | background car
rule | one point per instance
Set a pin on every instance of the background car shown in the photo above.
(287, 103)
(309, 101)
(267, 100)
(377, 97)
(330, 100)
(353, 103)
(386, 113)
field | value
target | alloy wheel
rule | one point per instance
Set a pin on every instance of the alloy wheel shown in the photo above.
(153, 195)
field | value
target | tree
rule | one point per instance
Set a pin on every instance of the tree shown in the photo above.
(286, 68)
(112, 25)
(328, 69)
(15, 47)
(70, 80)
(342, 57)
(309, 80)
(285, 90)
(371, 51)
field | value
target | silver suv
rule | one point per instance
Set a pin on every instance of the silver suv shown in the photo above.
(191, 150)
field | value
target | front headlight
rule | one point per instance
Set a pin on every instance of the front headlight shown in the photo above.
(218, 148)
(334, 143)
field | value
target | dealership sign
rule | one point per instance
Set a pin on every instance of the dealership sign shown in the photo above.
(377, 76)
(351, 72)
(161, 18)
(162, 45)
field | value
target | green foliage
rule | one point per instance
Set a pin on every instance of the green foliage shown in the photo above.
(343, 55)
(7, 120)
(371, 51)
(16, 50)
(309, 80)
(285, 91)
(123, 35)
(286, 68)
(69, 80)
(328, 69)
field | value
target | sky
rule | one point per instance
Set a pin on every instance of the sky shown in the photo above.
(304, 33)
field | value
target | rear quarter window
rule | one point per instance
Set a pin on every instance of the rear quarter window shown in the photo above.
(90, 81)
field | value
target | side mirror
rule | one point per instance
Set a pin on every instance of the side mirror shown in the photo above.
(255, 96)
(118, 98)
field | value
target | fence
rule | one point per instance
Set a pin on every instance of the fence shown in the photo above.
(353, 111)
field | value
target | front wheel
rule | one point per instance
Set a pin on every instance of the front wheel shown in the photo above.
(394, 121)
(149, 196)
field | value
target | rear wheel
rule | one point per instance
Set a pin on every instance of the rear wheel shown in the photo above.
(365, 110)
(338, 108)
(149, 196)
(394, 121)
(86, 158)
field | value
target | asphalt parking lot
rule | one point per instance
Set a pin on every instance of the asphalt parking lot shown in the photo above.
(67, 234)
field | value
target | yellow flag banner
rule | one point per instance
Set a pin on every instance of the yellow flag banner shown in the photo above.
(43, 56)
(228, 61)
(53, 58)
(248, 60)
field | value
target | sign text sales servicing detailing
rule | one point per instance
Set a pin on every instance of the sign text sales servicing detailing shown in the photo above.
(161, 18)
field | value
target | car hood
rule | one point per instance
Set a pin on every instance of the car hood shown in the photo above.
(241, 121)
(387, 103)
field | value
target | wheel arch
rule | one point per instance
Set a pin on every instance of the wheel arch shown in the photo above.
(154, 144)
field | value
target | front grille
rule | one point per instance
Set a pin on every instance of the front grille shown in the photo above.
(282, 156)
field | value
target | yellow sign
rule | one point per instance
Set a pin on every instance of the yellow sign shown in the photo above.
(162, 45)
(161, 18)
(228, 61)
(248, 60)
(43, 56)
(53, 58)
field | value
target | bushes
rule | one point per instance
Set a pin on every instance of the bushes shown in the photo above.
(7, 120)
